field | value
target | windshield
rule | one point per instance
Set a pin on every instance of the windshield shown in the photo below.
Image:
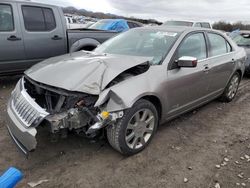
(242, 39)
(178, 23)
(137, 42)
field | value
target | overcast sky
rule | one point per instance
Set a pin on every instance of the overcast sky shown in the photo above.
(209, 10)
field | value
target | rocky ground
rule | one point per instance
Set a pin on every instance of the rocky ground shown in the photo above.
(209, 147)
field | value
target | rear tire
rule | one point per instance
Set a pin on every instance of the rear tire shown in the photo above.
(135, 130)
(231, 89)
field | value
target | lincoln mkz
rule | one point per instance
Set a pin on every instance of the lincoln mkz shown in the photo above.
(126, 87)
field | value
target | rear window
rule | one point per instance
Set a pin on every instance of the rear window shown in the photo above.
(218, 44)
(38, 18)
(6, 18)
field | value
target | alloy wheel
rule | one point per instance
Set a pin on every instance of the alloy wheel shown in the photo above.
(140, 129)
(233, 87)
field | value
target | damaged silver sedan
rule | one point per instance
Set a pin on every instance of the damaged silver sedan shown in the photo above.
(126, 87)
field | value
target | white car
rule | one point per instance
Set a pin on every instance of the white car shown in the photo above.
(188, 24)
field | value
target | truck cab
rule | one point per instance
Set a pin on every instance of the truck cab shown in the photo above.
(29, 33)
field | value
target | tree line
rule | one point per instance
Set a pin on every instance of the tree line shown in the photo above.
(229, 27)
(100, 15)
(221, 25)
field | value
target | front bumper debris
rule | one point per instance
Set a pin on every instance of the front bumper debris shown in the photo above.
(23, 115)
(25, 138)
(104, 121)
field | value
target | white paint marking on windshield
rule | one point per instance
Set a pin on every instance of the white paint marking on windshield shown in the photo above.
(169, 34)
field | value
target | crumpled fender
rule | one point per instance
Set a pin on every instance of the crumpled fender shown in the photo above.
(123, 95)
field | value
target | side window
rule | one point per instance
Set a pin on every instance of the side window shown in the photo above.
(197, 25)
(38, 18)
(193, 46)
(131, 25)
(218, 44)
(205, 25)
(49, 19)
(6, 18)
(136, 25)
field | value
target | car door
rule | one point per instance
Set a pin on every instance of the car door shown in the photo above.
(43, 32)
(12, 54)
(221, 62)
(188, 87)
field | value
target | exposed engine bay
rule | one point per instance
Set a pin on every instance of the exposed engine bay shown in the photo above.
(75, 111)
(88, 102)
(68, 110)
(134, 71)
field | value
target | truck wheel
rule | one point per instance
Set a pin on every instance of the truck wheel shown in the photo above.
(231, 89)
(134, 131)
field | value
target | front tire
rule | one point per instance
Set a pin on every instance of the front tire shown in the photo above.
(135, 130)
(231, 89)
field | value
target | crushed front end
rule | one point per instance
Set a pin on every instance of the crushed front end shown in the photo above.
(34, 104)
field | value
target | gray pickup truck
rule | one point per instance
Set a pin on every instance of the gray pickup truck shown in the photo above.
(31, 32)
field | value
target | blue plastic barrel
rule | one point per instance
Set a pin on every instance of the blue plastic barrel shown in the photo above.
(10, 178)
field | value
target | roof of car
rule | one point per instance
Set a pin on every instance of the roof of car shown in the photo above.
(178, 29)
(191, 21)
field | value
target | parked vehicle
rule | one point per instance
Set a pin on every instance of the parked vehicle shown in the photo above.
(188, 24)
(31, 32)
(72, 24)
(126, 87)
(118, 25)
(242, 39)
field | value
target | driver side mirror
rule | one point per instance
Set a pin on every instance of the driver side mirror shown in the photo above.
(187, 61)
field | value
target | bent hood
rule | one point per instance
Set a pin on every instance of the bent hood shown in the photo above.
(83, 71)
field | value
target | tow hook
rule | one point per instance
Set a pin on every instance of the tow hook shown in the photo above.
(104, 119)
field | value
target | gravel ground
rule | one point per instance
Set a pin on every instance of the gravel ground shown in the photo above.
(209, 147)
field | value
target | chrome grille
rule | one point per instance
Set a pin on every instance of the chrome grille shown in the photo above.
(25, 108)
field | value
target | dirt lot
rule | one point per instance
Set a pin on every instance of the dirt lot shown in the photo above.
(188, 147)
